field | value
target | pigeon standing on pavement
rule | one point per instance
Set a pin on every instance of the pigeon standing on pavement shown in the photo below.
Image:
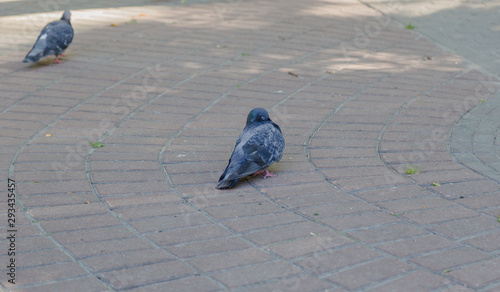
(53, 40)
(259, 145)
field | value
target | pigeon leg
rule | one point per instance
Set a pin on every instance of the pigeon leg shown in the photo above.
(57, 61)
(268, 174)
(258, 172)
(264, 173)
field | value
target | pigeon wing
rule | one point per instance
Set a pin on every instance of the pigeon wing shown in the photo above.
(263, 148)
(61, 36)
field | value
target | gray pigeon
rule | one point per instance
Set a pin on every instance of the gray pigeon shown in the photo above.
(260, 144)
(53, 40)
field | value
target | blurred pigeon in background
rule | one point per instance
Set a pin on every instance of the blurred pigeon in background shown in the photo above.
(260, 144)
(53, 40)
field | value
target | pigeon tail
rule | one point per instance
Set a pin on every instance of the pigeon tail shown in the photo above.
(227, 184)
(31, 58)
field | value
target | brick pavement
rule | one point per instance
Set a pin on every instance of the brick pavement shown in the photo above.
(168, 95)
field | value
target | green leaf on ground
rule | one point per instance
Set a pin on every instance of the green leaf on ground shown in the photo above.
(97, 144)
(409, 26)
(412, 170)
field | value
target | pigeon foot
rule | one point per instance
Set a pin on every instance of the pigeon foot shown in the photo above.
(57, 61)
(264, 173)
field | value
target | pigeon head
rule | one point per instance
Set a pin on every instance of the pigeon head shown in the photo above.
(257, 115)
(66, 15)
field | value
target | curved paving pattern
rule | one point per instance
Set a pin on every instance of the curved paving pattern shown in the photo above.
(168, 96)
(474, 141)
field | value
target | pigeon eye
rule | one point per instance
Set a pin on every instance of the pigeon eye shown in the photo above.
(263, 118)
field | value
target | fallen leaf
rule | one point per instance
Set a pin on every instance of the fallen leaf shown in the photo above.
(329, 72)
(142, 14)
(69, 193)
(48, 135)
(114, 24)
(293, 74)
